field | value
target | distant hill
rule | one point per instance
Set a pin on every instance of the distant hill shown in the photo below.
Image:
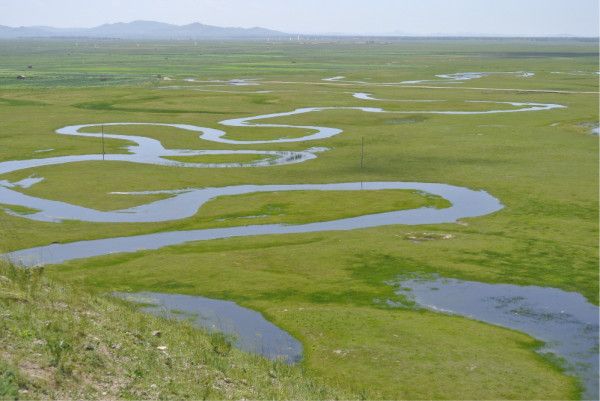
(141, 30)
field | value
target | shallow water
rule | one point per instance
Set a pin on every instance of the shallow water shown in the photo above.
(250, 330)
(151, 151)
(24, 183)
(186, 202)
(203, 89)
(455, 78)
(333, 79)
(368, 96)
(460, 77)
(565, 321)
(523, 107)
(231, 82)
(465, 203)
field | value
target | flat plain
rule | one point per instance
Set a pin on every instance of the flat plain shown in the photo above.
(331, 290)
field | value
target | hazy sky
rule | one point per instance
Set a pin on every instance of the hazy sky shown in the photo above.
(500, 17)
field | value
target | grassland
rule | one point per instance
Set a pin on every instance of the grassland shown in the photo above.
(243, 158)
(61, 343)
(329, 289)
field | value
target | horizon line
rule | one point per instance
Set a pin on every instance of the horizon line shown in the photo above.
(337, 34)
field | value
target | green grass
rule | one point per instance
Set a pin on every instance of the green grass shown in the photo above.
(241, 158)
(19, 209)
(299, 207)
(10, 381)
(329, 289)
(60, 342)
(336, 301)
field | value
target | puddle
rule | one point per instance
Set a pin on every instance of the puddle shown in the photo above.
(334, 79)
(565, 321)
(243, 82)
(251, 332)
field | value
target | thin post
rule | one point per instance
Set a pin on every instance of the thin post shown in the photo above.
(102, 142)
(362, 152)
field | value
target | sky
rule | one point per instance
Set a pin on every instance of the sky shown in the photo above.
(416, 17)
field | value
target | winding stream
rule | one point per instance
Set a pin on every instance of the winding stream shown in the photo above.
(186, 202)
(465, 203)
(455, 78)
(460, 77)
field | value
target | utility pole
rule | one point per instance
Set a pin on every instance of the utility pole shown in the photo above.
(362, 153)
(102, 141)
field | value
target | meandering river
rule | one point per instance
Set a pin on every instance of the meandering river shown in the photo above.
(186, 202)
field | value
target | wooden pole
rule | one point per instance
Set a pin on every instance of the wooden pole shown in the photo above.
(362, 152)
(102, 142)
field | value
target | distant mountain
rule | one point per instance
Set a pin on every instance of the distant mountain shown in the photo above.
(141, 30)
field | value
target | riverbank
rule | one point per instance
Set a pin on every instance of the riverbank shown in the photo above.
(63, 343)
